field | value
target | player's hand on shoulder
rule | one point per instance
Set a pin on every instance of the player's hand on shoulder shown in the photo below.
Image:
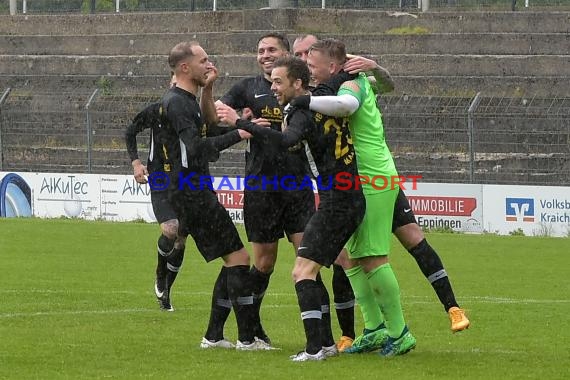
(357, 64)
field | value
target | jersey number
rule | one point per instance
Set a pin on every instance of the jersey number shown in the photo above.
(343, 139)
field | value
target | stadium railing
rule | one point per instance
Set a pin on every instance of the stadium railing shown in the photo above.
(106, 6)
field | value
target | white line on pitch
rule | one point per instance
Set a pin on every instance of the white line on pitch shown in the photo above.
(428, 299)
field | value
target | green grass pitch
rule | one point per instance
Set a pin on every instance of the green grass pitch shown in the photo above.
(76, 302)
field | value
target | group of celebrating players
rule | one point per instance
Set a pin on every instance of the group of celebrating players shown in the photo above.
(311, 112)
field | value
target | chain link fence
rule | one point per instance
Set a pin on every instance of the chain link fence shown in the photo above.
(105, 6)
(497, 140)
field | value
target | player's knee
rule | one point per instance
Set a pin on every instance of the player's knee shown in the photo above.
(409, 235)
(265, 263)
(240, 257)
(344, 261)
(170, 228)
(372, 262)
(305, 269)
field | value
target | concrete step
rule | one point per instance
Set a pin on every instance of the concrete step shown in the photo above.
(340, 21)
(238, 65)
(238, 42)
(343, 21)
(242, 42)
(542, 86)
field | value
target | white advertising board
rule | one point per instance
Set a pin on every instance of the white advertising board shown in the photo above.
(123, 199)
(458, 207)
(536, 210)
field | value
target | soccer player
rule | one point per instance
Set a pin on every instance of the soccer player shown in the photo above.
(342, 291)
(404, 224)
(370, 274)
(168, 263)
(188, 152)
(339, 212)
(269, 212)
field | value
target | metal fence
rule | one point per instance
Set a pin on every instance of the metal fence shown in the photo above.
(445, 139)
(482, 139)
(105, 6)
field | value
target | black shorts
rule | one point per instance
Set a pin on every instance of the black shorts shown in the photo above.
(269, 214)
(403, 213)
(338, 216)
(163, 211)
(207, 222)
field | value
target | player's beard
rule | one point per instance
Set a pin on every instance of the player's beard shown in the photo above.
(200, 80)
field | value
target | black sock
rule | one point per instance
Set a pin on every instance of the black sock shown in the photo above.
(239, 290)
(432, 268)
(174, 262)
(220, 309)
(327, 338)
(343, 301)
(309, 298)
(259, 284)
(161, 272)
(165, 245)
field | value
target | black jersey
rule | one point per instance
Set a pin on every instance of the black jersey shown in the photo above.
(148, 118)
(328, 139)
(255, 93)
(183, 143)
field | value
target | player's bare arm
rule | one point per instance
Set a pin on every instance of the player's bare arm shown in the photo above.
(381, 76)
(207, 104)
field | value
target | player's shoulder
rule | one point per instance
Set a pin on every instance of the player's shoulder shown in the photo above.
(150, 112)
(301, 116)
(245, 83)
(358, 83)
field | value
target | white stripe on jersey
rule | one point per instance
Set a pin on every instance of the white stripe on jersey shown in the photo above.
(151, 155)
(183, 156)
(311, 160)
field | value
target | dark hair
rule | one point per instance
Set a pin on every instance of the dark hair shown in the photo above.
(180, 52)
(296, 69)
(283, 41)
(335, 49)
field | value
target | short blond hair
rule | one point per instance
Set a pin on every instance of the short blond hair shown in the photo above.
(180, 52)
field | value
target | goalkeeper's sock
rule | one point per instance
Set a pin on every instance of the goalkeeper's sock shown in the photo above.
(387, 291)
(365, 298)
